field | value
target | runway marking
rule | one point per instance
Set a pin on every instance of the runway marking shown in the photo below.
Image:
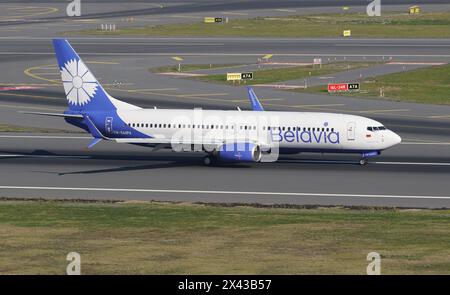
(391, 45)
(43, 156)
(286, 10)
(383, 111)
(154, 89)
(148, 44)
(205, 94)
(185, 16)
(318, 105)
(419, 127)
(27, 95)
(224, 54)
(218, 192)
(412, 163)
(262, 99)
(426, 143)
(25, 13)
(439, 117)
(37, 76)
(234, 13)
(27, 107)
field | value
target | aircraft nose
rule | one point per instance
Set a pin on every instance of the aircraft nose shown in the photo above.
(395, 138)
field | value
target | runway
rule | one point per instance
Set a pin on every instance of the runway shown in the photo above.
(58, 166)
(400, 49)
(413, 174)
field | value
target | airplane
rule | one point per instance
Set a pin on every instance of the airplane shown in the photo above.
(229, 136)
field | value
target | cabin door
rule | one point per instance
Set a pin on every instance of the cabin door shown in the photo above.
(351, 131)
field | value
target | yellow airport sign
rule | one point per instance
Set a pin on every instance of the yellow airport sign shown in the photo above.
(267, 56)
(345, 8)
(234, 76)
(346, 33)
(213, 19)
(177, 58)
(414, 9)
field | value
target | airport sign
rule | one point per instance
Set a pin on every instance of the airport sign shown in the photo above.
(346, 33)
(353, 86)
(239, 76)
(213, 19)
(342, 87)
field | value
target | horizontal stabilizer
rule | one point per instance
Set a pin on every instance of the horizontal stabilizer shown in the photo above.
(53, 114)
(94, 142)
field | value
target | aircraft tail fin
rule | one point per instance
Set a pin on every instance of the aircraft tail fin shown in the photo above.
(83, 91)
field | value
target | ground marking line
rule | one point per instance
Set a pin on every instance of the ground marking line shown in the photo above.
(179, 191)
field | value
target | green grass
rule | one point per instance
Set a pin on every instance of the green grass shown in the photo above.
(160, 238)
(389, 25)
(426, 85)
(191, 67)
(288, 73)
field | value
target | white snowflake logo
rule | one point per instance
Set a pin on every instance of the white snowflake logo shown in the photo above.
(79, 84)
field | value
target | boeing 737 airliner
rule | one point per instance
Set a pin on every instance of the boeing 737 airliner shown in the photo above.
(225, 136)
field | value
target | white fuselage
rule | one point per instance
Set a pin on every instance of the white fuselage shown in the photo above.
(294, 131)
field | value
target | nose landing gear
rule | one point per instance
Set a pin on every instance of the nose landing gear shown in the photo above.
(363, 161)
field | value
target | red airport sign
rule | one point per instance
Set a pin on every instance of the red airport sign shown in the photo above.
(335, 87)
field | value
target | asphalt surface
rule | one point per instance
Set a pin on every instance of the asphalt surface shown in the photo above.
(413, 174)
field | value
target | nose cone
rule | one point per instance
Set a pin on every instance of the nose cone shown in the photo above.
(394, 138)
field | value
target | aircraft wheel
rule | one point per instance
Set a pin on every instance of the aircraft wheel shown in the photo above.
(363, 162)
(207, 160)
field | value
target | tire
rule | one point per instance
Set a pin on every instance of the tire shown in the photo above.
(207, 161)
(363, 162)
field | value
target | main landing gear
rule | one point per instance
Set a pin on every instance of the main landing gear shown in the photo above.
(210, 160)
(363, 161)
(207, 160)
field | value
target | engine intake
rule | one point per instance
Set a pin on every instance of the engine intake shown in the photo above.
(240, 152)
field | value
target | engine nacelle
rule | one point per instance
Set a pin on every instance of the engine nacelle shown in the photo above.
(240, 152)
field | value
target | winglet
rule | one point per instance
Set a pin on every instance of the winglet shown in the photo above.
(256, 105)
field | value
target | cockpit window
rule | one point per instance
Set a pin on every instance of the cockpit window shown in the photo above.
(373, 128)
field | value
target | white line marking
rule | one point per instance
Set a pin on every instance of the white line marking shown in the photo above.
(412, 163)
(149, 44)
(138, 190)
(42, 156)
(225, 54)
(393, 45)
(426, 143)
